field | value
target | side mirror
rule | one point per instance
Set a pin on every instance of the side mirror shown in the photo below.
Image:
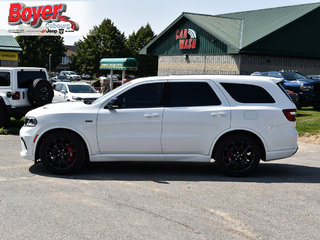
(113, 103)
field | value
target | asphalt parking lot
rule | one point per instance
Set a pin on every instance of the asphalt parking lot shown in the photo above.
(281, 200)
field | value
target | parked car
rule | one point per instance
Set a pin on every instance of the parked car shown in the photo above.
(314, 77)
(22, 89)
(74, 92)
(71, 75)
(294, 97)
(307, 89)
(172, 118)
(86, 76)
(59, 78)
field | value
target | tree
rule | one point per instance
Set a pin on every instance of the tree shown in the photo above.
(103, 41)
(36, 50)
(148, 64)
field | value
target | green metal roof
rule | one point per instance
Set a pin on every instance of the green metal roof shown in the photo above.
(241, 29)
(259, 23)
(119, 63)
(8, 43)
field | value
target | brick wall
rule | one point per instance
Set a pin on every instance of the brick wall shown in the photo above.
(233, 64)
(197, 64)
(253, 63)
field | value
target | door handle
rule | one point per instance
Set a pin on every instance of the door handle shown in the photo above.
(218, 114)
(154, 115)
(148, 115)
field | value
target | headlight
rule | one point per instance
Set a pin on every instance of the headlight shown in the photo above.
(30, 122)
(77, 98)
(306, 87)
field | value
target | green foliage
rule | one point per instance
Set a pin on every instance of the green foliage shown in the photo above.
(106, 41)
(14, 127)
(103, 41)
(137, 41)
(148, 64)
(36, 50)
(308, 121)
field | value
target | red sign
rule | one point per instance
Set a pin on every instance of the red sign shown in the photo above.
(34, 16)
(187, 38)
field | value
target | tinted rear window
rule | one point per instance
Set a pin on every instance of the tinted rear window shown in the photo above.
(189, 94)
(246, 93)
(25, 78)
(4, 79)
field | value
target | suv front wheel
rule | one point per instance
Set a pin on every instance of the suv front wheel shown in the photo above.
(237, 155)
(62, 152)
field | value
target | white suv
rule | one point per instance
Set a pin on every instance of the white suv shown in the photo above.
(22, 89)
(235, 120)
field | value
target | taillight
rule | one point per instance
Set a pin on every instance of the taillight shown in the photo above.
(15, 95)
(291, 114)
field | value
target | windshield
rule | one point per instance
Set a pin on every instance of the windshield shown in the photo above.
(114, 91)
(73, 73)
(292, 76)
(81, 89)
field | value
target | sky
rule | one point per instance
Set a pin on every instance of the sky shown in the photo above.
(130, 15)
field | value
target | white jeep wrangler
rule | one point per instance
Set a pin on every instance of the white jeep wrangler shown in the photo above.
(22, 89)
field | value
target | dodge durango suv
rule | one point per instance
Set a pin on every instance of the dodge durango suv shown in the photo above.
(233, 120)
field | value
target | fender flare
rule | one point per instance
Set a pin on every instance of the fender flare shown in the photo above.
(41, 134)
(230, 130)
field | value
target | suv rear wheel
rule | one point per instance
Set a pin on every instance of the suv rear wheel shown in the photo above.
(40, 92)
(62, 152)
(237, 155)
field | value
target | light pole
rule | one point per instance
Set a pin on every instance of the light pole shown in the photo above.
(50, 62)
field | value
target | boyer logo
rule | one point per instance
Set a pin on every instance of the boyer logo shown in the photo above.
(34, 16)
(186, 42)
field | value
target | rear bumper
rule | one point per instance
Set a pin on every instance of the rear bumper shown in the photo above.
(280, 154)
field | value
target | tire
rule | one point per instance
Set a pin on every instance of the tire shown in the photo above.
(40, 92)
(237, 155)
(62, 152)
(4, 117)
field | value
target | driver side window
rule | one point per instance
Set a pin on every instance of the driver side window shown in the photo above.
(142, 96)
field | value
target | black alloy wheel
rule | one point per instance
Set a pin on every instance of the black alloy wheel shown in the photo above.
(62, 152)
(237, 155)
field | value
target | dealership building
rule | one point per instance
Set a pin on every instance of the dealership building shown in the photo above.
(241, 42)
(9, 51)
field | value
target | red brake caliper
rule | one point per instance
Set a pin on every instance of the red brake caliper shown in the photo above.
(228, 155)
(71, 155)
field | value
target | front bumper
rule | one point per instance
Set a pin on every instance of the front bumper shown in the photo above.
(27, 138)
(309, 99)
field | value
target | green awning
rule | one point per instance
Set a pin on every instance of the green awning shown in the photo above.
(119, 63)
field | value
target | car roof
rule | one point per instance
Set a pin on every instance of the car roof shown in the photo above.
(73, 83)
(218, 78)
(22, 68)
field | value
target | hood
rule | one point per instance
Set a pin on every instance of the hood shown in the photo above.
(86, 95)
(298, 82)
(61, 107)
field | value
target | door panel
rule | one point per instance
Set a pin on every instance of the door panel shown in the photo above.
(135, 125)
(192, 129)
(129, 130)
